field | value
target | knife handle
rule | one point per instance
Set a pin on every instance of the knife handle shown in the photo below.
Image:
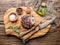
(27, 36)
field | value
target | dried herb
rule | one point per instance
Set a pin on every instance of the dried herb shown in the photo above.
(50, 11)
(14, 28)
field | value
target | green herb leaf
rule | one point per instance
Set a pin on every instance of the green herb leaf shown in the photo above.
(50, 11)
(10, 27)
(14, 28)
(19, 27)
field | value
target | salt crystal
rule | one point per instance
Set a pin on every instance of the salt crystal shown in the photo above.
(32, 19)
(12, 17)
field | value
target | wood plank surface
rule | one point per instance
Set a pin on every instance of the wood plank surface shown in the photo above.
(52, 37)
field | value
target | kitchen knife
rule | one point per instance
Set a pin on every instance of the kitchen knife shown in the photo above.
(26, 37)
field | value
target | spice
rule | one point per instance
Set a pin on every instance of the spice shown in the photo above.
(12, 17)
(28, 10)
(19, 11)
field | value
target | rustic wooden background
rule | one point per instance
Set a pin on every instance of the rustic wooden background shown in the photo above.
(52, 38)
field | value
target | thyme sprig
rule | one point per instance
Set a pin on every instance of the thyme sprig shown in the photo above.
(14, 28)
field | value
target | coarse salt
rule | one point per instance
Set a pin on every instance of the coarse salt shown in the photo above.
(12, 17)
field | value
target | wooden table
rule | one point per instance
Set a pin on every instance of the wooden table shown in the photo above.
(52, 38)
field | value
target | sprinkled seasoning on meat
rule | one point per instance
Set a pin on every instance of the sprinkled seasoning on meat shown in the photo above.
(28, 21)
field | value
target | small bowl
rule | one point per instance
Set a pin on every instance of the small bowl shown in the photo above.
(13, 17)
(28, 10)
(19, 11)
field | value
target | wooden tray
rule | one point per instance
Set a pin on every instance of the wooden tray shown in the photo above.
(18, 23)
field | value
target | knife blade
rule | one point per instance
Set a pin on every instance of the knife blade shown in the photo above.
(47, 23)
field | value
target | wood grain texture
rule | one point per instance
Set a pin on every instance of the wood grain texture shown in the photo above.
(52, 38)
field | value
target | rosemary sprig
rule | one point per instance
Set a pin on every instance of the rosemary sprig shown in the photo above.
(14, 28)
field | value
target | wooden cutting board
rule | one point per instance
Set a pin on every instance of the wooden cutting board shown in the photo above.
(18, 23)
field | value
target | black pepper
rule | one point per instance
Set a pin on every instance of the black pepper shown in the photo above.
(19, 11)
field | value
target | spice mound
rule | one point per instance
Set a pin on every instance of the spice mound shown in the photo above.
(12, 17)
